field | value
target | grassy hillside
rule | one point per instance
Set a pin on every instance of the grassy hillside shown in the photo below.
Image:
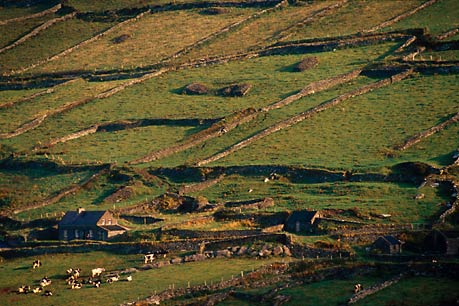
(349, 108)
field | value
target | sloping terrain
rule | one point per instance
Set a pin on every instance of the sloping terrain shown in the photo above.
(345, 107)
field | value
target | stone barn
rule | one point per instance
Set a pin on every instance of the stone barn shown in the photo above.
(302, 221)
(443, 242)
(92, 225)
(387, 245)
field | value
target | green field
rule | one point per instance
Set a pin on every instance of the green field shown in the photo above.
(74, 130)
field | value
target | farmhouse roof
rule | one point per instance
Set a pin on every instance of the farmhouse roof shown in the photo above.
(391, 240)
(302, 216)
(82, 218)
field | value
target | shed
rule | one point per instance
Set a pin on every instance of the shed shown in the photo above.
(302, 220)
(388, 245)
(92, 225)
(443, 242)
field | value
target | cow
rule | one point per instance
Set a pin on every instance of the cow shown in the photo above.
(129, 278)
(149, 258)
(45, 281)
(113, 279)
(97, 272)
(76, 272)
(47, 293)
(36, 264)
(76, 285)
(37, 290)
(23, 289)
(357, 288)
(97, 283)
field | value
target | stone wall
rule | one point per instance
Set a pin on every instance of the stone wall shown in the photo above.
(305, 115)
(36, 15)
(37, 31)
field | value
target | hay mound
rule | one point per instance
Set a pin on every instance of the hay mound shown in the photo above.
(235, 90)
(196, 89)
(307, 63)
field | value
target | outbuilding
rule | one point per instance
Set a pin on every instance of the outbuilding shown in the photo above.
(302, 221)
(387, 245)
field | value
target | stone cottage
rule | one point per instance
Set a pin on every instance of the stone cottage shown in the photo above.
(387, 245)
(302, 221)
(443, 242)
(92, 225)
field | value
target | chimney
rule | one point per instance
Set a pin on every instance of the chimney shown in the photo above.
(80, 210)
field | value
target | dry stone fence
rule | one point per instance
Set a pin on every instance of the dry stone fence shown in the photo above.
(36, 15)
(37, 31)
(305, 115)
(401, 16)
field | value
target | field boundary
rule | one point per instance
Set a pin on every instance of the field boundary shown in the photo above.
(305, 115)
(37, 31)
(36, 15)
(77, 46)
(401, 16)
(426, 133)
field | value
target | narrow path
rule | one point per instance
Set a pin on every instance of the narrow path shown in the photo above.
(305, 115)
(36, 15)
(37, 31)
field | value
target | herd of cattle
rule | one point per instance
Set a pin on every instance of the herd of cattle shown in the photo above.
(74, 279)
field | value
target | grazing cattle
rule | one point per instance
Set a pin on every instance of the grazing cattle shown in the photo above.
(76, 285)
(113, 279)
(149, 258)
(36, 264)
(70, 280)
(97, 283)
(129, 278)
(97, 272)
(48, 293)
(45, 281)
(37, 290)
(24, 289)
(76, 272)
(357, 288)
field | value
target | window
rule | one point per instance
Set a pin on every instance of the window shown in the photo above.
(103, 221)
(76, 234)
(90, 234)
(109, 221)
(65, 234)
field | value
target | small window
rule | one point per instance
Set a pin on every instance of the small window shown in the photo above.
(103, 221)
(109, 221)
(90, 234)
(65, 234)
(76, 234)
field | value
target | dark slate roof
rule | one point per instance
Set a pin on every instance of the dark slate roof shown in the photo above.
(81, 219)
(302, 216)
(392, 240)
